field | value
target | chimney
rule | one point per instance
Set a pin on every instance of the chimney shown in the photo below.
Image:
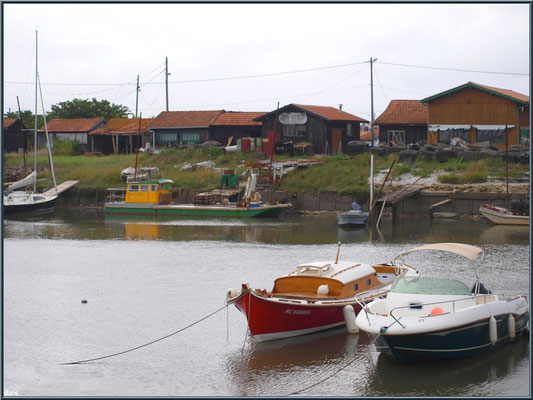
(340, 107)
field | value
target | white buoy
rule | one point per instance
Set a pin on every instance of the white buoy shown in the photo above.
(493, 330)
(323, 289)
(231, 293)
(511, 326)
(349, 317)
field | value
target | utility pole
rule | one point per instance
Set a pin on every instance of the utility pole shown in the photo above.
(371, 98)
(137, 97)
(166, 78)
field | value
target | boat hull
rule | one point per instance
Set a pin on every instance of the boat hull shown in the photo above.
(31, 207)
(271, 319)
(189, 210)
(462, 341)
(351, 218)
(501, 216)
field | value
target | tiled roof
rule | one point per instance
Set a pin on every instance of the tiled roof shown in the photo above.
(328, 113)
(238, 118)
(123, 126)
(72, 125)
(404, 112)
(366, 135)
(509, 94)
(331, 113)
(185, 119)
(8, 122)
(505, 92)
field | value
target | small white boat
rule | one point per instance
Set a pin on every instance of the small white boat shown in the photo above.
(436, 318)
(503, 216)
(355, 217)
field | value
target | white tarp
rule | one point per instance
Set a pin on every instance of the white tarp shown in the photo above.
(293, 118)
(465, 250)
(492, 127)
(446, 127)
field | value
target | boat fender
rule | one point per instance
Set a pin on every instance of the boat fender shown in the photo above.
(349, 318)
(493, 330)
(231, 293)
(511, 326)
(436, 311)
(323, 289)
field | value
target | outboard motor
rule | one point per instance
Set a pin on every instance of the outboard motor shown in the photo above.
(356, 206)
(480, 288)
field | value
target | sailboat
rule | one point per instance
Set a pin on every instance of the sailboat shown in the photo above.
(20, 201)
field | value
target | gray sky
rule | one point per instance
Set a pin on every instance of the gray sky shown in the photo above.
(84, 46)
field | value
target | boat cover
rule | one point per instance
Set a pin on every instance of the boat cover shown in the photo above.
(465, 250)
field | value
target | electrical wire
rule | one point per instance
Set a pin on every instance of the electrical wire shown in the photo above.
(379, 82)
(452, 69)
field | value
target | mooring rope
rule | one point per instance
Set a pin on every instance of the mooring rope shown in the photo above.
(146, 344)
(333, 374)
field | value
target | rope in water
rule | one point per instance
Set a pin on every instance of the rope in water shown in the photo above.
(146, 344)
(333, 374)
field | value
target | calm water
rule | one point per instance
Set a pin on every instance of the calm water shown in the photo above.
(146, 279)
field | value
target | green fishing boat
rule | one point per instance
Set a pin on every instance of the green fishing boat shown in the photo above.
(153, 198)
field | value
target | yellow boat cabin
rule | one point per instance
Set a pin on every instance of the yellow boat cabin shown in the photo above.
(151, 192)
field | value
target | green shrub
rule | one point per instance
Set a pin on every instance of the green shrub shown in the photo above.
(67, 148)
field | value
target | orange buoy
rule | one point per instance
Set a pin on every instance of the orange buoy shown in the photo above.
(436, 311)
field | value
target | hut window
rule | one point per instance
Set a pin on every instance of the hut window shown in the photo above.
(349, 130)
(368, 282)
(294, 130)
(144, 188)
(491, 135)
(154, 188)
(134, 188)
(355, 286)
(397, 138)
(446, 135)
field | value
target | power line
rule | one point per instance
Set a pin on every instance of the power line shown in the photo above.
(381, 87)
(453, 69)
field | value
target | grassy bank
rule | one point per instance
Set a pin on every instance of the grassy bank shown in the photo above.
(343, 174)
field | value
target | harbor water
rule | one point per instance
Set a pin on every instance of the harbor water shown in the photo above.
(144, 279)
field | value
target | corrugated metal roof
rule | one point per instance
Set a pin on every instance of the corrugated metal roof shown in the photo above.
(238, 118)
(72, 125)
(123, 126)
(404, 112)
(506, 93)
(185, 119)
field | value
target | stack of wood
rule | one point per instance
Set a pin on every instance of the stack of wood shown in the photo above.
(207, 198)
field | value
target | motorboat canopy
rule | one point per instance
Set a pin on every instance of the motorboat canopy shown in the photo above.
(465, 250)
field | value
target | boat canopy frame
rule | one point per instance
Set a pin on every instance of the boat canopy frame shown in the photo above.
(472, 253)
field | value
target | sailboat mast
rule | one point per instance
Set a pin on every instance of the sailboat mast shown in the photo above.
(35, 144)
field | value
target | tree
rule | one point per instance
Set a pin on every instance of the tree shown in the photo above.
(78, 108)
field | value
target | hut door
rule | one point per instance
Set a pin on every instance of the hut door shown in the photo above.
(336, 141)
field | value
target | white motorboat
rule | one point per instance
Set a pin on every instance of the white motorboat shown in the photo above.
(354, 217)
(436, 318)
(503, 216)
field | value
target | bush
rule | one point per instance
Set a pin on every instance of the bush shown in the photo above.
(67, 148)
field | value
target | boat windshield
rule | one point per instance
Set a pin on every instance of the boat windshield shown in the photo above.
(427, 285)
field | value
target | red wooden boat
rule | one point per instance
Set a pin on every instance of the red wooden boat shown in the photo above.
(312, 298)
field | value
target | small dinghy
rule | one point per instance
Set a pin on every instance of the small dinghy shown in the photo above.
(436, 318)
(355, 217)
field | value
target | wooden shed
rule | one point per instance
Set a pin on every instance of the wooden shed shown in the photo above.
(478, 113)
(403, 122)
(13, 135)
(120, 135)
(235, 125)
(175, 128)
(328, 129)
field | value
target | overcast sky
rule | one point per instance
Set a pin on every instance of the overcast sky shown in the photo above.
(97, 50)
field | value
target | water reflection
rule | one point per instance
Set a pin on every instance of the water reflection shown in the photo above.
(447, 378)
(83, 223)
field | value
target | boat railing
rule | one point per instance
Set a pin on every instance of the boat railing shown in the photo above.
(483, 299)
(116, 195)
